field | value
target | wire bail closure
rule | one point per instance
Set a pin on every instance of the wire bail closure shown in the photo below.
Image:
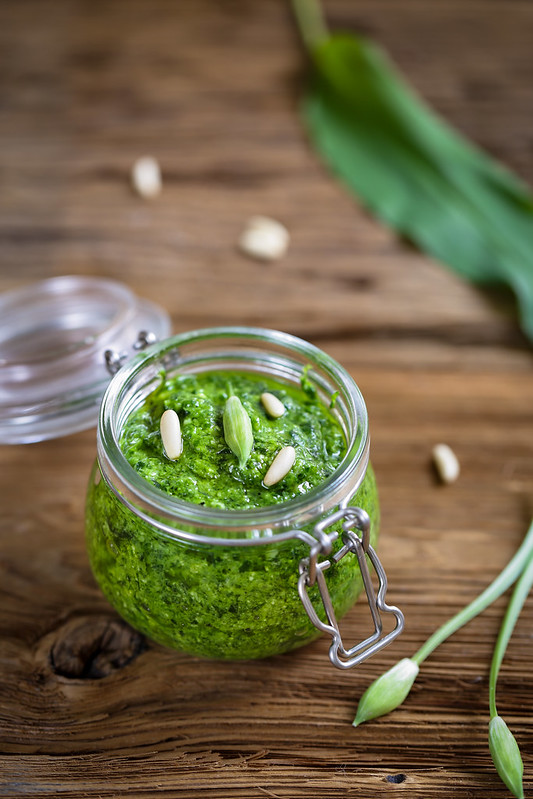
(311, 572)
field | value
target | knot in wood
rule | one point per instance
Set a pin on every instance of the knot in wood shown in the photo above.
(396, 778)
(93, 647)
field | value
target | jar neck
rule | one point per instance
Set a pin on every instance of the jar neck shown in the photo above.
(268, 352)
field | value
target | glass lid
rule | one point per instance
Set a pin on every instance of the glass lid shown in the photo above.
(60, 342)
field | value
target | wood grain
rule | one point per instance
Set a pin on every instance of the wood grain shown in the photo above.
(211, 90)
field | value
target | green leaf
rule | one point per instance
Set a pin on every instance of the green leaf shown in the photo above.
(415, 172)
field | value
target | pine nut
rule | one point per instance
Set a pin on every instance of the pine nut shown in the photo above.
(272, 405)
(264, 238)
(146, 177)
(169, 426)
(446, 463)
(280, 466)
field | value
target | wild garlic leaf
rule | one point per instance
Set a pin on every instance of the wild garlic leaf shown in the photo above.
(415, 172)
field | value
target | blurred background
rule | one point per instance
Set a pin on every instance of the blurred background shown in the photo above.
(211, 90)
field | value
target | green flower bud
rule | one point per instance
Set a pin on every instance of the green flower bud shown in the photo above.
(387, 692)
(237, 429)
(506, 755)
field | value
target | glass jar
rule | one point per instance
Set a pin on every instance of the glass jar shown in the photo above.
(55, 351)
(237, 584)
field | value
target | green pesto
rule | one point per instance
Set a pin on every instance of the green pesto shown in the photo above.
(207, 472)
(216, 601)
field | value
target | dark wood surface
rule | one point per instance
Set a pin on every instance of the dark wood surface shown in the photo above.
(211, 89)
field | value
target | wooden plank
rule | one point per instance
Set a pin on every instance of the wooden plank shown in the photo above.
(211, 90)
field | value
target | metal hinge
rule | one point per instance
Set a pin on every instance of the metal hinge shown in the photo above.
(115, 360)
(312, 571)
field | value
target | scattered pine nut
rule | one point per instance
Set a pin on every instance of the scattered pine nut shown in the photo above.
(264, 238)
(272, 405)
(169, 426)
(146, 177)
(446, 463)
(280, 466)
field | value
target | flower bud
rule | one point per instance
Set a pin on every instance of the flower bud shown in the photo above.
(506, 755)
(237, 429)
(387, 692)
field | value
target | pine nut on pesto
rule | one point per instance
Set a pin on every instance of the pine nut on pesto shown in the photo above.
(197, 553)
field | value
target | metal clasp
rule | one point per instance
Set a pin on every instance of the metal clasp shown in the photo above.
(114, 360)
(312, 571)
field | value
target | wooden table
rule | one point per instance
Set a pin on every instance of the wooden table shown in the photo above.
(211, 89)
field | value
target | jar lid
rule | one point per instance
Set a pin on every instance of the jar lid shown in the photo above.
(60, 341)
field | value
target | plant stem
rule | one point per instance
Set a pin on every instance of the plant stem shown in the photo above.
(506, 578)
(512, 613)
(310, 20)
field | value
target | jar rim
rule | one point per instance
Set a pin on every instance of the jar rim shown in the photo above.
(157, 506)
